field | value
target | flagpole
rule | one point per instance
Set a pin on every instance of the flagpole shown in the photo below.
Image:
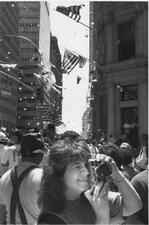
(86, 25)
(8, 75)
(77, 21)
(27, 39)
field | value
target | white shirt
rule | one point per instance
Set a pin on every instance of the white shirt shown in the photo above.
(28, 193)
(3, 168)
(11, 156)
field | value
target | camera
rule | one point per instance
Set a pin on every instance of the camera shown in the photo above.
(101, 169)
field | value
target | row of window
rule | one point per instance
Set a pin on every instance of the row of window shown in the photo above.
(26, 117)
(28, 17)
(25, 59)
(27, 109)
(27, 100)
(23, 32)
(29, 25)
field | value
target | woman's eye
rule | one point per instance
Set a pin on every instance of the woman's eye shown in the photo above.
(78, 166)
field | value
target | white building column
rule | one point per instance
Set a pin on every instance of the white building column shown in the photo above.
(111, 110)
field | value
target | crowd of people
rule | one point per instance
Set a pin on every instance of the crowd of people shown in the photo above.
(51, 178)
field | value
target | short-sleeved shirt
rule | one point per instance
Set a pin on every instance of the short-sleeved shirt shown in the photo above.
(81, 212)
(3, 168)
(140, 183)
(11, 156)
(28, 192)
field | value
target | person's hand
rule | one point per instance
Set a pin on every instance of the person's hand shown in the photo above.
(97, 197)
(116, 174)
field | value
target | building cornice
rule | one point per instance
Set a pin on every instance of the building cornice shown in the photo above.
(125, 65)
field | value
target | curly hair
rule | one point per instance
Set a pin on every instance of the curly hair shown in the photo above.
(52, 188)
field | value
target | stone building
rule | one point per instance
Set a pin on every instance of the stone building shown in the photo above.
(119, 45)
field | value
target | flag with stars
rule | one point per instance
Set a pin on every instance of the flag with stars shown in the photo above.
(72, 11)
(70, 60)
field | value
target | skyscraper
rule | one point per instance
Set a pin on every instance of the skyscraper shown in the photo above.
(9, 53)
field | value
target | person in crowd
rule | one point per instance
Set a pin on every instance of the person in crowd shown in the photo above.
(111, 150)
(92, 145)
(3, 138)
(111, 138)
(142, 159)
(69, 195)
(140, 183)
(19, 185)
(70, 134)
(127, 160)
(121, 139)
(49, 133)
(12, 155)
(4, 130)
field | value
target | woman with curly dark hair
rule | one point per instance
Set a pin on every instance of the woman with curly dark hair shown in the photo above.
(67, 194)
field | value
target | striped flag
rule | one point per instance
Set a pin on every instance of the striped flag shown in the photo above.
(71, 11)
(70, 60)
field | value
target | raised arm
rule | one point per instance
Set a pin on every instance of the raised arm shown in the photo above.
(131, 201)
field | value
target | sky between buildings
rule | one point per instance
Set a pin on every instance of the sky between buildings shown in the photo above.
(75, 37)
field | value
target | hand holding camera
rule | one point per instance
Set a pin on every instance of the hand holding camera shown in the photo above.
(106, 167)
(97, 196)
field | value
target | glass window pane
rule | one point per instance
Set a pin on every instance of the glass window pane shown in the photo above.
(129, 93)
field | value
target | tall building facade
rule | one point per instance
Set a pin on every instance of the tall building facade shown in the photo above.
(119, 45)
(9, 54)
(34, 25)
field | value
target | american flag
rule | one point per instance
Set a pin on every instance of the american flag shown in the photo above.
(70, 60)
(82, 61)
(71, 11)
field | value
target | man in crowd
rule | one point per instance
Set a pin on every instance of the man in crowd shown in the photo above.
(25, 180)
(12, 156)
(3, 168)
(49, 133)
(140, 183)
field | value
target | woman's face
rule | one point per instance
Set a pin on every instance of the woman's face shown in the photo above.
(76, 179)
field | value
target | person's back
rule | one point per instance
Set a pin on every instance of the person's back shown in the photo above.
(32, 150)
(11, 156)
(3, 168)
(27, 192)
(127, 160)
(140, 183)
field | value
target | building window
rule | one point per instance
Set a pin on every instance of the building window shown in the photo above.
(129, 120)
(126, 37)
(129, 93)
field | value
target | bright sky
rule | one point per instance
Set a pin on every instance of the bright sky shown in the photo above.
(75, 37)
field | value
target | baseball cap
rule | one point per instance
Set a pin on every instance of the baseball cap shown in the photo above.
(32, 143)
